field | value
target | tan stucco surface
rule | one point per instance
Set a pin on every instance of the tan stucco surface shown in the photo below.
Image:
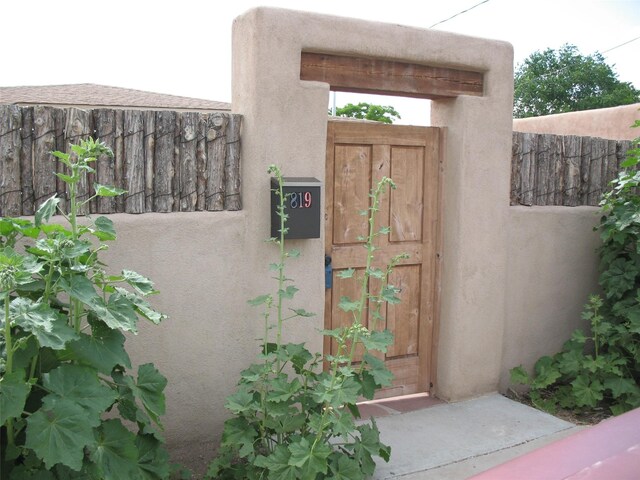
(552, 269)
(611, 123)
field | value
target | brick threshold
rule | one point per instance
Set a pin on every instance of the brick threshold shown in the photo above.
(397, 405)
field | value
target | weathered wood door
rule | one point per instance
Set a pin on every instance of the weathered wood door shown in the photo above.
(358, 155)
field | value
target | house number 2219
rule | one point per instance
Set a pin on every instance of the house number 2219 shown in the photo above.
(300, 199)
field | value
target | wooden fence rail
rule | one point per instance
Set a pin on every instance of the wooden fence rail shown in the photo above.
(167, 161)
(563, 170)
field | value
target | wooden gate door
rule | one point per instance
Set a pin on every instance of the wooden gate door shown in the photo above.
(358, 155)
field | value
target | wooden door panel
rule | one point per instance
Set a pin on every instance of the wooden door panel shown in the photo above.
(351, 192)
(358, 156)
(403, 318)
(407, 166)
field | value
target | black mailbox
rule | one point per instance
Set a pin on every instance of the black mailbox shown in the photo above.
(302, 205)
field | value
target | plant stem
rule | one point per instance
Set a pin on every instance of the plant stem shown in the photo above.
(364, 294)
(9, 365)
(7, 335)
(73, 220)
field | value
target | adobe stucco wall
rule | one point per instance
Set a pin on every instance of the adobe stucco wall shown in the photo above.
(552, 269)
(611, 123)
(197, 261)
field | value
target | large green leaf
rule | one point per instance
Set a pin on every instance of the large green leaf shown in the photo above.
(298, 355)
(619, 277)
(378, 370)
(378, 340)
(239, 433)
(17, 269)
(586, 392)
(13, 395)
(46, 210)
(347, 391)
(104, 229)
(346, 468)
(128, 406)
(153, 458)
(281, 390)
(571, 362)
(58, 433)
(107, 191)
(142, 284)
(71, 249)
(278, 465)
(149, 389)
(311, 461)
(103, 349)
(368, 447)
(81, 385)
(368, 385)
(117, 313)
(347, 305)
(620, 386)
(115, 451)
(389, 294)
(240, 401)
(47, 325)
(80, 288)
(546, 372)
(141, 306)
(23, 472)
(519, 375)
(288, 292)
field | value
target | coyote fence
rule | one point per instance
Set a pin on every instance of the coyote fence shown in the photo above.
(167, 161)
(563, 170)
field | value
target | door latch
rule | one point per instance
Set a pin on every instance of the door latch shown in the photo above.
(328, 272)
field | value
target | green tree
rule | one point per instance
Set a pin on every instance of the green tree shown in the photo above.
(368, 111)
(563, 80)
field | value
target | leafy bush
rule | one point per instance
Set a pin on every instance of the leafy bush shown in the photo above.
(292, 419)
(602, 369)
(65, 390)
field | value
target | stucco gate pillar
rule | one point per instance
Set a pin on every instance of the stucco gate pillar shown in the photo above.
(285, 122)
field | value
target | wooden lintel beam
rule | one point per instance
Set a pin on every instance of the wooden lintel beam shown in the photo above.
(387, 77)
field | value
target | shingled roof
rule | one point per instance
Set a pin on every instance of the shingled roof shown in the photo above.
(95, 96)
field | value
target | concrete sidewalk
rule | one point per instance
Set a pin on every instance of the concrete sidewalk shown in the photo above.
(458, 440)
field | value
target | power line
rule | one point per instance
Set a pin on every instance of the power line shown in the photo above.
(622, 44)
(459, 13)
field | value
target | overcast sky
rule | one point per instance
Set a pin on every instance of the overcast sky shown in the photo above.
(184, 47)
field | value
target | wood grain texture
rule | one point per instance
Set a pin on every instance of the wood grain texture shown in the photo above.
(572, 147)
(164, 152)
(149, 152)
(165, 160)
(10, 146)
(104, 121)
(26, 161)
(233, 193)
(352, 179)
(134, 167)
(44, 180)
(118, 161)
(563, 170)
(216, 145)
(407, 202)
(388, 77)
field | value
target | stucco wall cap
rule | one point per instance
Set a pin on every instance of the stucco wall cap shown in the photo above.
(387, 41)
